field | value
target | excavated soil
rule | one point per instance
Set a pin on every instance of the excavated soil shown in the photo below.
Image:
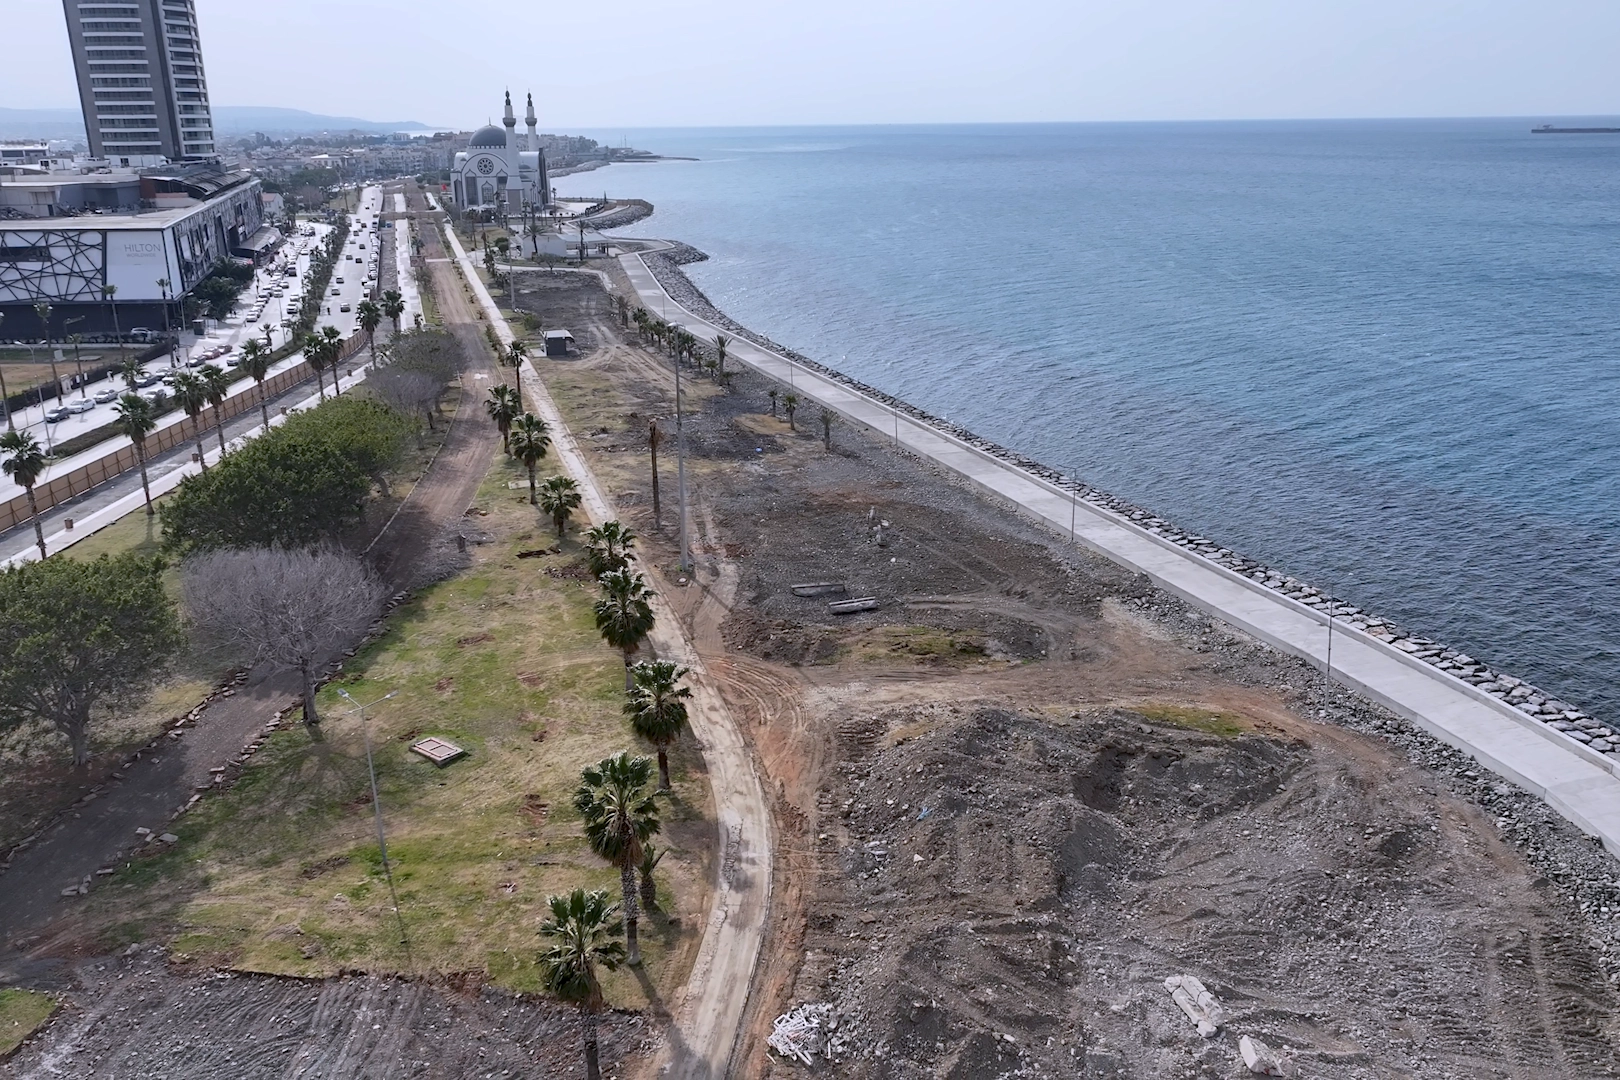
(1029, 787)
(135, 1018)
(1004, 894)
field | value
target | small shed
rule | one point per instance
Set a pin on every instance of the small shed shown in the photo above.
(559, 343)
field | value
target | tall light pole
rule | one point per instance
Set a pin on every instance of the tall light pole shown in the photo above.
(376, 809)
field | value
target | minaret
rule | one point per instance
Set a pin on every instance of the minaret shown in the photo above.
(511, 127)
(534, 136)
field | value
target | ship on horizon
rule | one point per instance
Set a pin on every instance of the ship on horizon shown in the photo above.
(1548, 129)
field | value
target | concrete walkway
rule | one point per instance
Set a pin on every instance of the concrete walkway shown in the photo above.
(1579, 783)
(708, 1017)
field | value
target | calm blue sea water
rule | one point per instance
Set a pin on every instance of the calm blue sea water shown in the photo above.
(1383, 356)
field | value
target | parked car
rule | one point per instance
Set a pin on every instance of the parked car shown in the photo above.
(345, 307)
(149, 379)
(59, 412)
(80, 405)
(104, 396)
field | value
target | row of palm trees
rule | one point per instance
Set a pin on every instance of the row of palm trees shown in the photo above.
(616, 798)
(683, 345)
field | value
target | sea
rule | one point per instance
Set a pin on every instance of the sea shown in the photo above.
(1382, 356)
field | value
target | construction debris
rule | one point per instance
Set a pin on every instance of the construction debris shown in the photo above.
(1199, 1004)
(850, 607)
(439, 751)
(1260, 1058)
(800, 1033)
(819, 588)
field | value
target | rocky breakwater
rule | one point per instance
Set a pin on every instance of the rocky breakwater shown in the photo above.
(1533, 702)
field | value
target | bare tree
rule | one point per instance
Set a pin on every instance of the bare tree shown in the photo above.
(293, 610)
(414, 393)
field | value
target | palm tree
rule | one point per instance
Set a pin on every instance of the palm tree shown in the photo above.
(135, 420)
(773, 393)
(559, 497)
(24, 466)
(503, 408)
(191, 393)
(393, 306)
(654, 437)
(721, 343)
(620, 816)
(582, 924)
(42, 308)
(132, 371)
(109, 293)
(218, 382)
(256, 362)
(529, 442)
(516, 353)
(315, 352)
(370, 317)
(656, 706)
(828, 419)
(608, 548)
(790, 405)
(334, 353)
(624, 617)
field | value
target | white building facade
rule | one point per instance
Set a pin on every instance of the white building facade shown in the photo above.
(499, 172)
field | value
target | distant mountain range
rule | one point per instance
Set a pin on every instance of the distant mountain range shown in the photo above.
(228, 120)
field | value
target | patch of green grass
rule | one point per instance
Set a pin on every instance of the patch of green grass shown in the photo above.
(283, 873)
(21, 1014)
(1227, 725)
(927, 643)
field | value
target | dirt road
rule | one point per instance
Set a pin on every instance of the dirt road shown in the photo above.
(706, 1021)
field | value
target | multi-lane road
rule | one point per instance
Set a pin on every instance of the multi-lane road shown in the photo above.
(257, 311)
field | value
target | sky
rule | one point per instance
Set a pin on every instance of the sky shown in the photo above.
(657, 63)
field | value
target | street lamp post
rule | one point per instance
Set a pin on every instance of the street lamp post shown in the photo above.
(376, 808)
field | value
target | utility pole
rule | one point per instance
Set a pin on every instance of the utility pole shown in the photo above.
(376, 808)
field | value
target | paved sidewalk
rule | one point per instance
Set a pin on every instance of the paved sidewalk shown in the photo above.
(1579, 783)
(19, 542)
(708, 1017)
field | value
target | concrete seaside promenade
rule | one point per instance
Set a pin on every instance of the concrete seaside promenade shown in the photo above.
(1579, 783)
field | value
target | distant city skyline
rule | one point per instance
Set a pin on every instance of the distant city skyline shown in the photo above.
(733, 63)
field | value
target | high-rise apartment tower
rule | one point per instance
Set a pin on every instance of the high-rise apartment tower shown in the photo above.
(141, 78)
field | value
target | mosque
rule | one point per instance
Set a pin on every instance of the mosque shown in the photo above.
(495, 172)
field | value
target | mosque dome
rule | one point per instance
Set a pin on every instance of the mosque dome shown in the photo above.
(488, 137)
